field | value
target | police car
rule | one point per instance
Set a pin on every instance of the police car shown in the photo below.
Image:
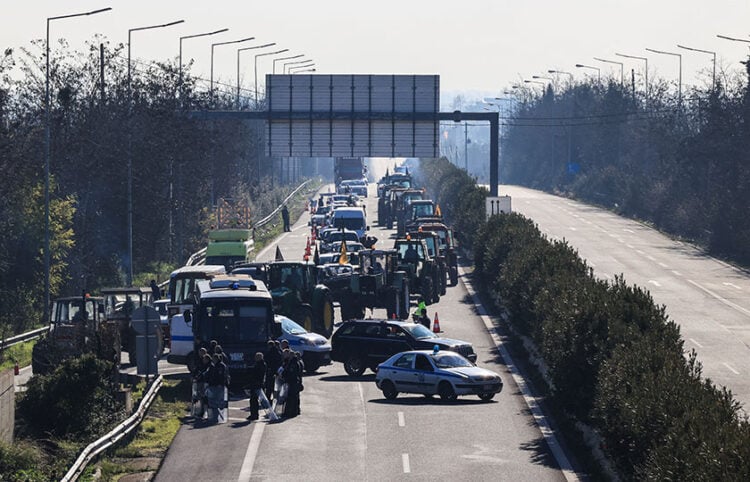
(315, 349)
(444, 373)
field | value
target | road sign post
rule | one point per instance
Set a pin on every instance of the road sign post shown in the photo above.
(497, 205)
(146, 323)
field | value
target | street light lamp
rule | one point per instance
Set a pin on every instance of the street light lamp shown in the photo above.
(211, 88)
(598, 70)
(302, 71)
(298, 64)
(284, 58)
(541, 77)
(130, 146)
(238, 65)
(622, 67)
(47, 141)
(734, 39)
(679, 82)
(713, 75)
(561, 72)
(296, 67)
(255, 69)
(645, 59)
(194, 36)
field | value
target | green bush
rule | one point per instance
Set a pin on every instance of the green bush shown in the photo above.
(76, 401)
(20, 462)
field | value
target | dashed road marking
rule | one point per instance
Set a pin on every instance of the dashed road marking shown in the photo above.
(650, 258)
(252, 451)
(723, 300)
(729, 367)
(676, 273)
(654, 282)
(663, 265)
(696, 343)
(401, 421)
(732, 285)
(629, 231)
(639, 252)
(573, 229)
(630, 246)
(405, 463)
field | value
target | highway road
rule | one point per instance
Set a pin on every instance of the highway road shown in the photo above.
(708, 298)
(348, 431)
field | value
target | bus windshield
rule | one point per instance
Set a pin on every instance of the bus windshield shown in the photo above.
(233, 321)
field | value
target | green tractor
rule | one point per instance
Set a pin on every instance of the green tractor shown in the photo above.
(296, 294)
(77, 326)
(432, 240)
(378, 283)
(422, 269)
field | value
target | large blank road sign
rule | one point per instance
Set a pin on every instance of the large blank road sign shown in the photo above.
(353, 115)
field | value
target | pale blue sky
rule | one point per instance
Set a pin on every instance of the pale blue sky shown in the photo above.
(473, 44)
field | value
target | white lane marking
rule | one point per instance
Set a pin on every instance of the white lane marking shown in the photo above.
(731, 369)
(723, 300)
(639, 252)
(732, 285)
(573, 229)
(252, 451)
(630, 246)
(628, 230)
(405, 463)
(653, 282)
(650, 258)
(612, 235)
(676, 273)
(696, 343)
(602, 229)
(401, 421)
(663, 265)
(531, 401)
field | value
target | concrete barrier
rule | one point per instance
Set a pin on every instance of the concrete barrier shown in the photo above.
(7, 406)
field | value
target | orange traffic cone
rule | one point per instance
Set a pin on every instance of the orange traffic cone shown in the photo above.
(314, 234)
(436, 324)
(308, 251)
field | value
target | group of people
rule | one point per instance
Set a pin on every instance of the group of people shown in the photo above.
(276, 376)
(279, 375)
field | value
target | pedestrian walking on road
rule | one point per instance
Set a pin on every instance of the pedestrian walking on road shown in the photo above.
(285, 218)
(273, 363)
(256, 384)
(290, 374)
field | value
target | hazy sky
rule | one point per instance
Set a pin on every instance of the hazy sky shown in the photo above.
(472, 44)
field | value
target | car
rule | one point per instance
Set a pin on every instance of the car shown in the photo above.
(315, 349)
(436, 372)
(361, 344)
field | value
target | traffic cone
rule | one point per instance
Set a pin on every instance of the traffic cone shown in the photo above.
(308, 251)
(16, 370)
(314, 234)
(436, 324)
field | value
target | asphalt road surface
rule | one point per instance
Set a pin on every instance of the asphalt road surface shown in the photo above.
(348, 431)
(708, 298)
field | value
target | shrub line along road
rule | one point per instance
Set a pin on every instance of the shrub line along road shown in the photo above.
(348, 431)
(708, 298)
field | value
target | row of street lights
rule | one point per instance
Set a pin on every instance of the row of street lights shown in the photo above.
(306, 64)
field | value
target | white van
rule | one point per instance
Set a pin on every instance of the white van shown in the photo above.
(350, 218)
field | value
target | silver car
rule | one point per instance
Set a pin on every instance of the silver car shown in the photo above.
(444, 373)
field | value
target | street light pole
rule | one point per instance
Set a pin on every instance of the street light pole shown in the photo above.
(598, 70)
(238, 65)
(295, 68)
(679, 82)
(213, 46)
(298, 65)
(713, 75)
(255, 69)
(193, 36)
(130, 146)
(561, 72)
(47, 150)
(645, 75)
(622, 68)
(285, 58)
(302, 71)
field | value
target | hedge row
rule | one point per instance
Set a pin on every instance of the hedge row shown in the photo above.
(615, 360)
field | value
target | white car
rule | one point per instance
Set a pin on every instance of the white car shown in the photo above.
(315, 349)
(444, 373)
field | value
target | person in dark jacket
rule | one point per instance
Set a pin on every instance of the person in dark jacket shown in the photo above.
(155, 290)
(285, 217)
(217, 381)
(257, 382)
(273, 363)
(291, 376)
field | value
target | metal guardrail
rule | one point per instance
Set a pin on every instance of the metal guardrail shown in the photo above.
(268, 218)
(15, 340)
(114, 436)
(199, 257)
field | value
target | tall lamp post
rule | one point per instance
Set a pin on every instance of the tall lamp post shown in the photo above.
(713, 74)
(130, 145)
(561, 72)
(284, 58)
(645, 68)
(679, 81)
(598, 70)
(47, 142)
(238, 65)
(622, 67)
(303, 71)
(255, 69)
(213, 46)
(194, 36)
(298, 65)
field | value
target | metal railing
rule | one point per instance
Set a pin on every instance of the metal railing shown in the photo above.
(15, 340)
(268, 218)
(114, 436)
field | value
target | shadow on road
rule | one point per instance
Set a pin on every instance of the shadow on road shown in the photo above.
(347, 378)
(421, 400)
(540, 453)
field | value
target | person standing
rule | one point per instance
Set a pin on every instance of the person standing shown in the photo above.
(256, 384)
(155, 290)
(285, 218)
(290, 375)
(217, 382)
(273, 363)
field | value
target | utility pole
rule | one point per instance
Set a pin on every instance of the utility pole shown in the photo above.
(101, 71)
(466, 146)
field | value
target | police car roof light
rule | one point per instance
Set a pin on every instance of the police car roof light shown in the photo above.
(435, 349)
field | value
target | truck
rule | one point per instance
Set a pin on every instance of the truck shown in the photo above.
(230, 241)
(346, 168)
(77, 326)
(234, 310)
